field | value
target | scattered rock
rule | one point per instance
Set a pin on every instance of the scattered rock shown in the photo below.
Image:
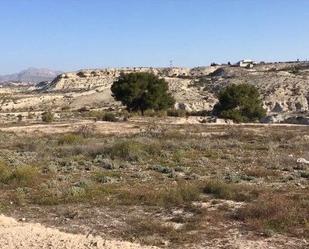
(162, 169)
(302, 161)
(105, 163)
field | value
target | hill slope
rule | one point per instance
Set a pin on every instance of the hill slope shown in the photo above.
(284, 86)
(31, 75)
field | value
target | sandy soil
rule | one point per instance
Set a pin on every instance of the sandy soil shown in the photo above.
(17, 235)
(100, 127)
(135, 125)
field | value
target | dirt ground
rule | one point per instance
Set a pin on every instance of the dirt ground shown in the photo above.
(19, 235)
(135, 125)
(96, 197)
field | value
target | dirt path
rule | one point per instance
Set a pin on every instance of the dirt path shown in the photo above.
(17, 235)
(134, 126)
(100, 127)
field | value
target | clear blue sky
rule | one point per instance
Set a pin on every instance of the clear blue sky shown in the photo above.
(74, 34)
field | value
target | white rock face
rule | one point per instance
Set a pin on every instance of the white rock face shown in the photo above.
(179, 80)
(284, 87)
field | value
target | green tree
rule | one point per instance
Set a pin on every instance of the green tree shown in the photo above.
(242, 103)
(142, 91)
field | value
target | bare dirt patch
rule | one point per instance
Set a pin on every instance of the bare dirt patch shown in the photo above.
(19, 235)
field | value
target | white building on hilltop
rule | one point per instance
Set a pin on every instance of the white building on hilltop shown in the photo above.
(246, 63)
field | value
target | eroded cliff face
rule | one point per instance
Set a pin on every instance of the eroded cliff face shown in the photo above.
(89, 79)
(284, 86)
(181, 83)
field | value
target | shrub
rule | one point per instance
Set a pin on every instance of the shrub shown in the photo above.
(22, 175)
(65, 108)
(177, 113)
(240, 103)
(69, 139)
(30, 115)
(25, 175)
(110, 117)
(104, 116)
(47, 117)
(127, 150)
(98, 115)
(182, 193)
(230, 191)
(153, 113)
(277, 212)
(19, 117)
(142, 91)
(5, 172)
(86, 130)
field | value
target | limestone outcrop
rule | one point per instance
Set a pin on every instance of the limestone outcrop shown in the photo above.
(284, 86)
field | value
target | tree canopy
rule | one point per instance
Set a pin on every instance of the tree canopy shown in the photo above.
(141, 91)
(241, 103)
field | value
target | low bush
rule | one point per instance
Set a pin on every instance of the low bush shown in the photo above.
(110, 117)
(104, 116)
(277, 212)
(229, 191)
(182, 193)
(5, 172)
(86, 131)
(69, 139)
(177, 113)
(153, 113)
(47, 117)
(24, 175)
(126, 150)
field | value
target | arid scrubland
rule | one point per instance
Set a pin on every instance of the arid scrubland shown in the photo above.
(74, 159)
(165, 184)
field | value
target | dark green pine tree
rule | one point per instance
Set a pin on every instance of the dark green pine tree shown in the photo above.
(142, 91)
(241, 103)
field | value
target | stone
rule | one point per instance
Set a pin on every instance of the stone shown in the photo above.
(302, 161)
(162, 169)
(105, 163)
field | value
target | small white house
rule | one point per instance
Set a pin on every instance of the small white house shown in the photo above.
(246, 63)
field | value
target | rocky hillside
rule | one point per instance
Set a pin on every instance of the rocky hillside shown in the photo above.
(284, 86)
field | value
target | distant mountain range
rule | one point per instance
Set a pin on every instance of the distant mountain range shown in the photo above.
(30, 75)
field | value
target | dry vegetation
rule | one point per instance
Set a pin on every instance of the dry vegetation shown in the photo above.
(173, 186)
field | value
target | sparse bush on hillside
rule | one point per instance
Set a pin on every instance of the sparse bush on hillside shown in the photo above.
(30, 115)
(19, 118)
(142, 91)
(5, 172)
(69, 139)
(104, 116)
(110, 117)
(47, 117)
(86, 130)
(24, 175)
(177, 113)
(152, 113)
(229, 191)
(277, 212)
(240, 103)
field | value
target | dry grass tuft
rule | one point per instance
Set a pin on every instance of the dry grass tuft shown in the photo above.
(279, 213)
(230, 191)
